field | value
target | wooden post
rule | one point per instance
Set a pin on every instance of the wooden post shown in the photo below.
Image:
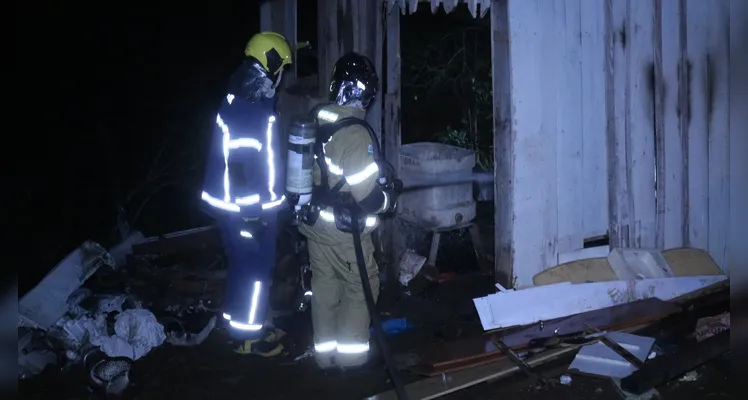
(373, 48)
(280, 16)
(271, 16)
(290, 31)
(738, 175)
(503, 145)
(333, 22)
(391, 135)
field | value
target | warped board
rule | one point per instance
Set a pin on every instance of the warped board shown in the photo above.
(682, 261)
(691, 262)
(435, 387)
(580, 271)
(480, 350)
(543, 303)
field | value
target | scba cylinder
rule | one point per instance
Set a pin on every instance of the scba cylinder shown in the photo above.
(299, 176)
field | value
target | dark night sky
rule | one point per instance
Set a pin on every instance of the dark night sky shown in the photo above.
(104, 84)
(101, 86)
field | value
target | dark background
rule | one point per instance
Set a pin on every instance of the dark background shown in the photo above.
(116, 101)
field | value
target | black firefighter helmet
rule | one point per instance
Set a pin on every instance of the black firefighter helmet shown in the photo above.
(354, 81)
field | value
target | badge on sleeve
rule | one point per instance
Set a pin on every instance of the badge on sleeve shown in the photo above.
(370, 149)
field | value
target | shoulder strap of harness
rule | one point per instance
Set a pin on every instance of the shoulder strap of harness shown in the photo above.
(325, 132)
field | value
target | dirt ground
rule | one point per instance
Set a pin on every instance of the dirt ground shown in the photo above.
(440, 313)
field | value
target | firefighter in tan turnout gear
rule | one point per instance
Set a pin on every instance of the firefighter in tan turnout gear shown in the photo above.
(349, 179)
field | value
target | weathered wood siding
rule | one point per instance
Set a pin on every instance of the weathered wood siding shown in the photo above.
(620, 124)
(345, 26)
(393, 245)
(280, 16)
(738, 232)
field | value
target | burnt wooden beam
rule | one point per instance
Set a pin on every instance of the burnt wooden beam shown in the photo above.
(503, 143)
(327, 43)
(280, 16)
(391, 133)
(665, 368)
(179, 242)
(290, 31)
(345, 26)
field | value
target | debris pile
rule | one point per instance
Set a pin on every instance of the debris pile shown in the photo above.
(643, 319)
(107, 309)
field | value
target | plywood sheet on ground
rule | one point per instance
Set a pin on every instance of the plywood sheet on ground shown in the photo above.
(435, 387)
(480, 350)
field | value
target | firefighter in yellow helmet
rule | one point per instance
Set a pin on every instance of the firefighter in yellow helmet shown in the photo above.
(267, 53)
(348, 179)
(240, 189)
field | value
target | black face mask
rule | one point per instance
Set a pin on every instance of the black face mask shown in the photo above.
(252, 82)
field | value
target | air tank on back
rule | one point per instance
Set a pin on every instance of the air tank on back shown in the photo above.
(302, 134)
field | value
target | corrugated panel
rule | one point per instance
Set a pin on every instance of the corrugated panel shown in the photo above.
(478, 8)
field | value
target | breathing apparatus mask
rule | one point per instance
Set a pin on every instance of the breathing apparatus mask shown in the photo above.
(354, 81)
(253, 82)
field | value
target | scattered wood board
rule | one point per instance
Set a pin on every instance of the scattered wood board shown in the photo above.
(544, 303)
(177, 242)
(435, 387)
(682, 261)
(690, 262)
(665, 368)
(480, 350)
(578, 271)
(638, 263)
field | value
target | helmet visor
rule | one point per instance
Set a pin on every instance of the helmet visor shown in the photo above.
(351, 94)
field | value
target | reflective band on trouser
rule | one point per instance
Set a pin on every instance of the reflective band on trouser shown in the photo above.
(330, 217)
(250, 323)
(348, 348)
(325, 347)
(353, 348)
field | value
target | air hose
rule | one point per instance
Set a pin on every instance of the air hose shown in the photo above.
(371, 305)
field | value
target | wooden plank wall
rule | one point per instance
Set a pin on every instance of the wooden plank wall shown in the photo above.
(503, 145)
(345, 26)
(696, 113)
(556, 145)
(392, 242)
(280, 16)
(620, 123)
(738, 232)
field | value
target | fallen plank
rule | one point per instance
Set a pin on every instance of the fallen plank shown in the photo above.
(177, 242)
(639, 263)
(626, 355)
(665, 368)
(480, 350)
(435, 387)
(682, 262)
(542, 303)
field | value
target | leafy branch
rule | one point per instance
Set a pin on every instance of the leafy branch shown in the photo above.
(457, 64)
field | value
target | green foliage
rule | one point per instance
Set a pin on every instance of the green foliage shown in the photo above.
(461, 138)
(457, 68)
